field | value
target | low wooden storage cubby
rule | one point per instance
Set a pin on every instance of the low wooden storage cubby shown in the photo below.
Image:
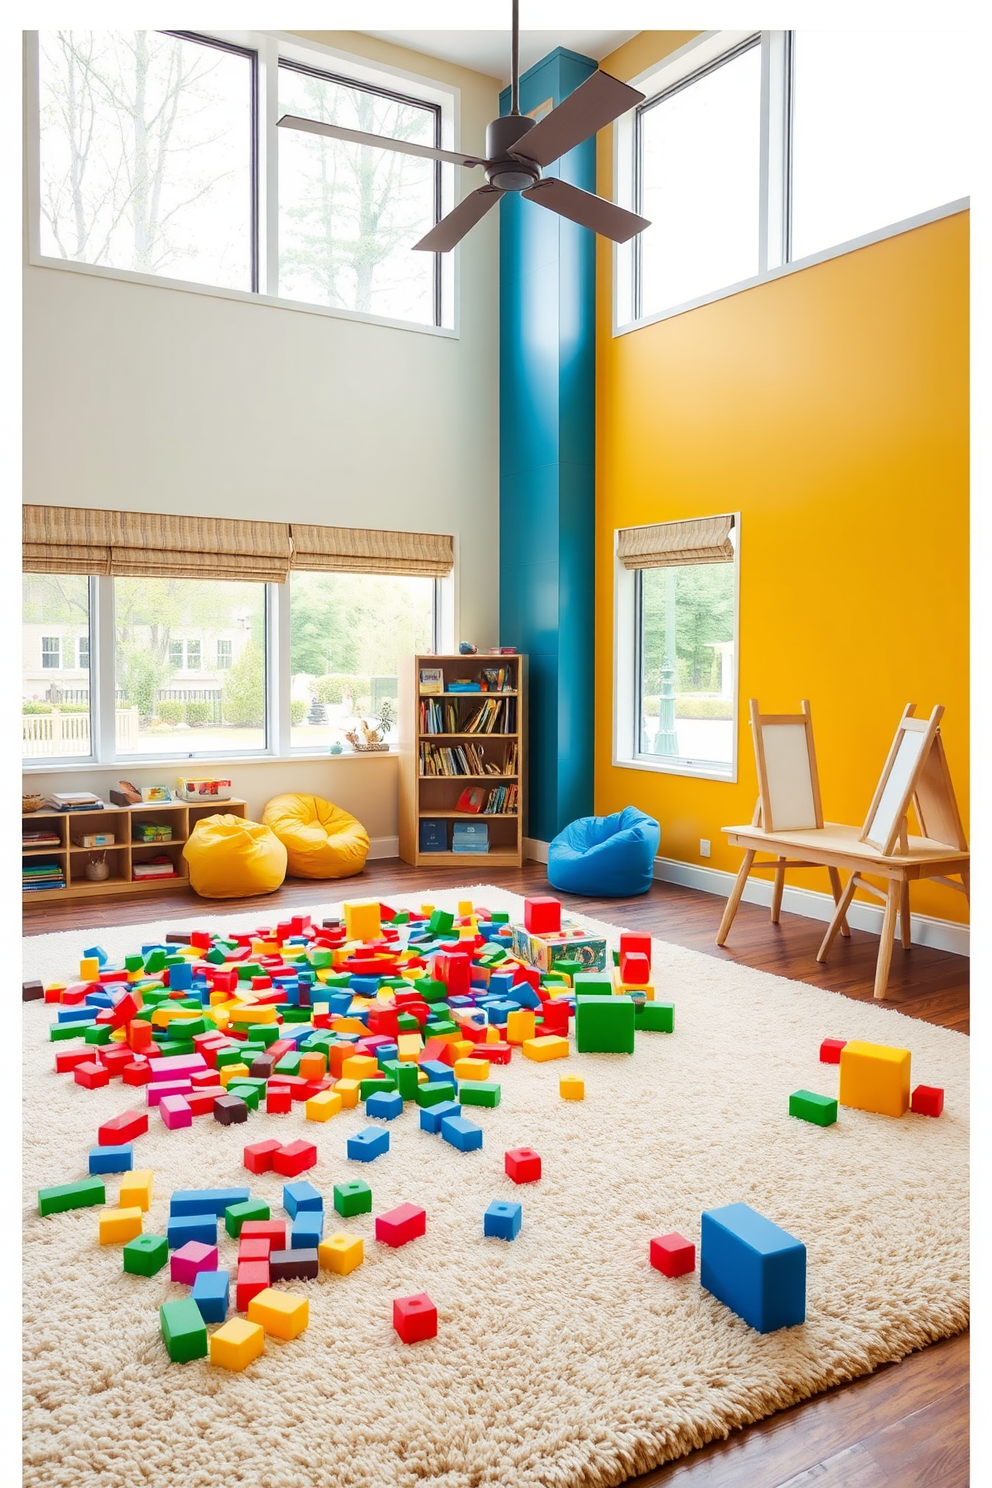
(72, 826)
(435, 726)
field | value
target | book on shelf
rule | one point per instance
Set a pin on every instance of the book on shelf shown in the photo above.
(465, 759)
(470, 837)
(497, 679)
(431, 679)
(41, 839)
(43, 876)
(74, 801)
(155, 868)
(433, 834)
(502, 801)
(471, 799)
(465, 685)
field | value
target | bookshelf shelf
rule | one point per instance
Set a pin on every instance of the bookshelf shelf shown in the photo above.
(425, 797)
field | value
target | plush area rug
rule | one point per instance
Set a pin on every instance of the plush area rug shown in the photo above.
(563, 1360)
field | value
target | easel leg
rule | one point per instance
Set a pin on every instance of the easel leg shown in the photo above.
(887, 937)
(839, 917)
(777, 890)
(966, 880)
(735, 898)
(845, 929)
(904, 920)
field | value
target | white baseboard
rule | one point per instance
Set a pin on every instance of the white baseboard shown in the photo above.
(942, 935)
(384, 847)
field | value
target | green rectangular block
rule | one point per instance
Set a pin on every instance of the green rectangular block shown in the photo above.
(319, 958)
(134, 963)
(406, 1080)
(479, 1093)
(440, 921)
(235, 1215)
(293, 1014)
(153, 995)
(247, 1093)
(444, 1025)
(402, 918)
(176, 1046)
(353, 1198)
(369, 1087)
(340, 979)
(230, 1054)
(263, 1033)
(249, 970)
(500, 917)
(656, 1017)
(604, 1025)
(820, 1109)
(59, 1032)
(434, 1092)
(71, 1196)
(407, 1023)
(289, 1064)
(215, 956)
(184, 1332)
(145, 1255)
(592, 984)
(97, 1033)
(154, 961)
(430, 989)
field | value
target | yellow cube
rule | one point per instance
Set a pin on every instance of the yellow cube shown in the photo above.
(471, 1069)
(548, 1046)
(408, 1047)
(874, 1077)
(465, 907)
(233, 1072)
(467, 932)
(349, 1091)
(362, 919)
(283, 1314)
(359, 1067)
(323, 1106)
(492, 1034)
(89, 969)
(464, 1048)
(572, 1087)
(236, 1343)
(341, 1253)
(117, 1226)
(264, 947)
(520, 1024)
(136, 1190)
(427, 909)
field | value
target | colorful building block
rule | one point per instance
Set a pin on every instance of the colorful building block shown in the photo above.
(753, 1267)
(123, 1128)
(323, 1105)
(212, 1293)
(236, 1344)
(471, 1069)
(604, 1025)
(252, 1278)
(341, 1253)
(136, 1190)
(91, 1074)
(521, 1024)
(415, 1318)
(245, 1210)
(278, 1100)
(300, 1198)
(294, 1159)
(635, 969)
(386, 1104)
(673, 1254)
(302, 1264)
(655, 1017)
(111, 1159)
(461, 1133)
(874, 1077)
(258, 1156)
(183, 1227)
(145, 1255)
(175, 1111)
(479, 1093)
(307, 1230)
(368, 1145)
(401, 1225)
(120, 1225)
(547, 1046)
(572, 1087)
(351, 1198)
(362, 919)
(542, 915)
(273, 1230)
(206, 1200)
(71, 1196)
(502, 1219)
(183, 1330)
(821, 1110)
(522, 1164)
(281, 1314)
(830, 1050)
(190, 1259)
(928, 1100)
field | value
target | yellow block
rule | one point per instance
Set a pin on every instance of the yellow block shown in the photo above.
(471, 1069)
(265, 1013)
(236, 1343)
(264, 947)
(572, 1087)
(427, 909)
(520, 1025)
(548, 1046)
(492, 1034)
(467, 932)
(136, 1189)
(466, 907)
(89, 969)
(323, 1106)
(348, 1025)
(348, 1090)
(117, 1226)
(422, 1077)
(163, 1016)
(118, 1035)
(359, 1067)
(341, 1253)
(60, 986)
(362, 920)
(874, 1077)
(283, 1314)
(408, 1047)
(232, 1072)
(464, 1048)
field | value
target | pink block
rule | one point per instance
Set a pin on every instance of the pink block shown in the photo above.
(174, 1066)
(190, 1259)
(175, 1111)
(159, 1089)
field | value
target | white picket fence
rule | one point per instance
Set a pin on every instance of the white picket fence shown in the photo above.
(59, 733)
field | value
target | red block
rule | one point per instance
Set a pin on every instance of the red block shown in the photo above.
(415, 1318)
(273, 1230)
(298, 924)
(404, 1223)
(200, 940)
(673, 1254)
(255, 1248)
(631, 941)
(201, 1102)
(449, 1054)
(123, 1128)
(140, 1035)
(123, 1010)
(528, 974)
(523, 1164)
(138, 1072)
(542, 915)
(280, 1047)
(203, 1079)
(433, 1049)
(76, 994)
(115, 1057)
(453, 970)
(68, 1059)
(294, 1159)
(928, 1100)
(278, 1100)
(225, 981)
(258, 1156)
(500, 1053)
(635, 969)
(175, 1111)
(253, 1277)
(830, 1050)
(296, 1086)
(385, 1021)
(555, 1018)
(91, 1074)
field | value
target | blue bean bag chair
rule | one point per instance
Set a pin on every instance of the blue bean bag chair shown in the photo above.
(605, 855)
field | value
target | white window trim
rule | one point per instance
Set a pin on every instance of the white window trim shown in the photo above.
(626, 741)
(773, 183)
(270, 46)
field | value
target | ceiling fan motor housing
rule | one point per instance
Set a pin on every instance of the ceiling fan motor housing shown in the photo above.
(504, 170)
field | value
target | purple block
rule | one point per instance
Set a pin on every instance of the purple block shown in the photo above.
(192, 1258)
(160, 1088)
(175, 1111)
(172, 1066)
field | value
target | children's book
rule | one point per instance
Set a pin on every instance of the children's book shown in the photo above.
(471, 799)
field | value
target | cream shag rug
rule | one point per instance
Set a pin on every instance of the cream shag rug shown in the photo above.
(563, 1358)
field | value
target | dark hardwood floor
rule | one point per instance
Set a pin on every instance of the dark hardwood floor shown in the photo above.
(906, 1425)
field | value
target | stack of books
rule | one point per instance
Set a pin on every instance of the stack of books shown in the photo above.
(161, 867)
(470, 837)
(152, 832)
(42, 876)
(44, 837)
(74, 801)
(502, 801)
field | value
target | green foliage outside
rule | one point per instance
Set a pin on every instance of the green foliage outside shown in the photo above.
(244, 690)
(198, 713)
(704, 613)
(332, 688)
(297, 711)
(691, 706)
(35, 708)
(171, 711)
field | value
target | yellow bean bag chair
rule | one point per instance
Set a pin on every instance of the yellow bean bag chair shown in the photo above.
(230, 858)
(322, 840)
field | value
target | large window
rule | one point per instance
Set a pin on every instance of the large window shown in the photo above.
(55, 697)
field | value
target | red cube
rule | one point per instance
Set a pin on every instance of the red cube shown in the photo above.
(528, 974)
(523, 1164)
(830, 1050)
(255, 1248)
(294, 1159)
(67, 1059)
(123, 1128)
(673, 1254)
(928, 1100)
(401, 1224)
(258, 1157)
(278, 1100)
(639, 944)
(253, 1277)
(91, 1074)
(384, 1020)
(201, 1100)
(542, 916)
(200, 940)
(452, 968)
(415, 1318)
(555, 1016)
(138, 1072)
(500, 1053)
(635, 969)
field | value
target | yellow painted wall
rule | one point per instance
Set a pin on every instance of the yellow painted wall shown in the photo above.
(830, 408)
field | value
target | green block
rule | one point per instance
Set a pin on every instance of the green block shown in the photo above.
(407, 1023)
(134, 963)
(569, 968)
(215, 956)
(154, 961)
(604, 1025)
(406, 1080)
(249, 970)
(495, 955)
(187, 1028)
(235, 1215)
(820, 1109)
(553, 979)
(229, 1055)
(440, 921)
(176, 1046)
(71, 1196)
(320, 957)
(592, 984)
(402, 918)
(500, 918)
(340, 979)
(289, 1064)
(616, 957)
(352, 1198)
(97, 1033)
(479, 1093)
(444, 1025)
(59, 1032)
(431, 990)
(434, 1092)
(184, 1332)
(293, 1014)
(247, 1093)
(656, 1017)
(146, 1254)
(263, 1033)
(173, 960)
(153, 997)
(369, 1087)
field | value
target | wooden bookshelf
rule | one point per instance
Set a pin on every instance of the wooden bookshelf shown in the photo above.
(424, 797)
(122, 821)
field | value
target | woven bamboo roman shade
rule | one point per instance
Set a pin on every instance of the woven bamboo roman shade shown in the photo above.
(66, 539)
(671, 544)
(357, 550)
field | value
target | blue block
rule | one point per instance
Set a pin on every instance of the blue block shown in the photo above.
(464, 1135)
(185, 1227)
(206, 1200)
(99, 953)
(300, 1196)
(753, 1267)
(81, 1014)
(180, 976)
(437, 1071)
(500, 1008)
(100, 999)
(461, 1001)
(385, 1052)
(526, 996)
(338, 1003)
(291, 990)
(432, 1116)
(369, 1144)
(386, 1104)
(307, 1230)
(502, 1219)
(363, 986)
(211, 1293)
(501, 982)
(112, 1159)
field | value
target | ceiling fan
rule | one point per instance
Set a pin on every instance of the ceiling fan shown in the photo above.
(517, 148)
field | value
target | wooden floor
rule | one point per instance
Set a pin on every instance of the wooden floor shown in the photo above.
(906, 1425)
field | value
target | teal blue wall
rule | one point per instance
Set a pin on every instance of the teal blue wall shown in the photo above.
(547, 471)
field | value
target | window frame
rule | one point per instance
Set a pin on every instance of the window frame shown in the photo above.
(679, 70)
(47, 665)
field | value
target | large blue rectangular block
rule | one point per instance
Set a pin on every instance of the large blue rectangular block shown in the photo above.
(369, 1144)
(207, 1200)
(307, 1230)
(464, 1135)
(386, 1104)
(300, 1196)
(753, 1267)
(432, 1116)
(112, 1159)
(438, 1072)
(211, 1293)
(183, 1227)
(181, 976)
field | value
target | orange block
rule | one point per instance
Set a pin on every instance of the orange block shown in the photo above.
(312, 1065)
(549, 1046)
(471, 1069)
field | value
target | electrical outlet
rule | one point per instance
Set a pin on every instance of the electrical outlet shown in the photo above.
(704, 848)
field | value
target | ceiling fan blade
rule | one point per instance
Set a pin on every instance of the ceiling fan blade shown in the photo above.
(451, 229)
(586, 209)
(594, 104)
(379, 141)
